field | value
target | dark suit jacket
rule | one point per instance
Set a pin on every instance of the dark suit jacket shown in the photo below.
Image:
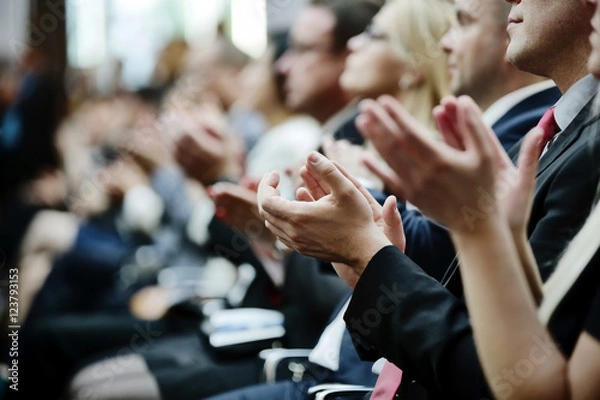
(400, 312)
(525, 115)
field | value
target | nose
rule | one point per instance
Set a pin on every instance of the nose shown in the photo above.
(447, 41)
(283, 63)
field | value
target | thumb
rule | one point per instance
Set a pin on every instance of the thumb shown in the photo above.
(267, 188)
(393, 228)
(329, 173)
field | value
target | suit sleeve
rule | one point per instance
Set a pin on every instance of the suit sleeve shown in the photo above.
(428, 244)
(401, 313)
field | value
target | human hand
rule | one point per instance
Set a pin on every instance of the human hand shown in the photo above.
(514, 186)
(147, 144)
(392, 183)
(443, 181)
(469, 170)
(207, 154)
(237, 206)
(337, 227)
(386, 217)
(350, 156)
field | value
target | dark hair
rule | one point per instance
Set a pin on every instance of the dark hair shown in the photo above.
(279, 40)
(351, 16)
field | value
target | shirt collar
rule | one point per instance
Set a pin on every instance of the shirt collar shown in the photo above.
(339, 118)
(507, 102)
(574, 100)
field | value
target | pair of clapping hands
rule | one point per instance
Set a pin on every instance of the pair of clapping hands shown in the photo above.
(201, 140)
(464, 181)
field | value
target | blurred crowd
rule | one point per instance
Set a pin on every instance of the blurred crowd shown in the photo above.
(371, 177)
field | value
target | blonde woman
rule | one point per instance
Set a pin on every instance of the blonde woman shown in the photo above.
(397, 55)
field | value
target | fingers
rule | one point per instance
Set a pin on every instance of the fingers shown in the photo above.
(250, 183)
(445, 118)
(477, 135)
(529, 159)
(302, 194)
(329, 173)
(212, 132)
(390, 179)
(315, 186)
(363, 190)
(383, 122)
(224, 193)
(267, 188)
(416, 139)
(393, 228)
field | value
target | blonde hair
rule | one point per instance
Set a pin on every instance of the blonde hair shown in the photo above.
(415, 38)
(577, 256)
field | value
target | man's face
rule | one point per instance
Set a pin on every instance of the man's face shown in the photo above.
(476, 46)
(545, 34)
(311, 67)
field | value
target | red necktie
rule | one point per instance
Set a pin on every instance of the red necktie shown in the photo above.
(387, 383)
(550, 127)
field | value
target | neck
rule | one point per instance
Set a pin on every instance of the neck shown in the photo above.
(569, 68)
(323, 111)
(567, 78)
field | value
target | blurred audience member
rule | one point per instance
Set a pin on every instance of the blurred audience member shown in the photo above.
(170, 63)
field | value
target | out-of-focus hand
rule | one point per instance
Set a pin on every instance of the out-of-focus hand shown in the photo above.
(147, 144)
(513, 186)
(392, 183)
(206, 154)
(442, 181)
(350, 156)
(237, 206)
(460, 181)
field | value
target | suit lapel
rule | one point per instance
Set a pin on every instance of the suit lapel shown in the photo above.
(566, 139)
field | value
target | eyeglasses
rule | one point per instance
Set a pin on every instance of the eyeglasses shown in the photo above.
(301, 49)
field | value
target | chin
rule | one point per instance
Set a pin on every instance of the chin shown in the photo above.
(515, 56)
(346, 82)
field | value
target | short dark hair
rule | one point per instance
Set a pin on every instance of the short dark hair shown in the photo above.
(351, 17)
